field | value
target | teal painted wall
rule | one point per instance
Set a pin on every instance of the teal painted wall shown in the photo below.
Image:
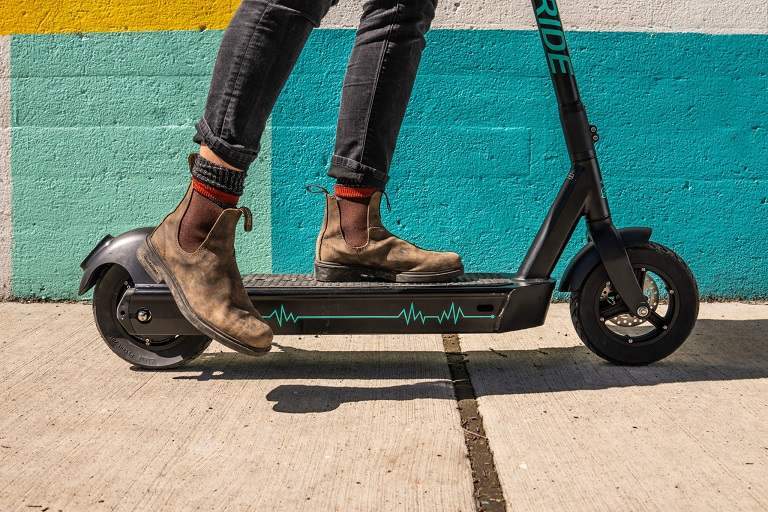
(101, 125)
(682, 119)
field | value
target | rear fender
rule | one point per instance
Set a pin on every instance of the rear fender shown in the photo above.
(118, 250)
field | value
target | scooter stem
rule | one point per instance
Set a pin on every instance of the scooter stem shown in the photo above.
(582, 193)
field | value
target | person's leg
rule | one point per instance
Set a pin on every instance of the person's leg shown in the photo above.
(192, 250)
(260, 48)
(378, 83)
(380, 76)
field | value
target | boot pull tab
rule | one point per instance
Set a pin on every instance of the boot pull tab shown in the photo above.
(386, 198)
(316, 189)
(247, 217)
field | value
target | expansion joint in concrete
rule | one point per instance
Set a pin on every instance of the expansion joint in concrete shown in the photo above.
(488, 494)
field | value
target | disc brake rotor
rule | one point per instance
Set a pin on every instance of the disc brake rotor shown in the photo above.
(651, 292)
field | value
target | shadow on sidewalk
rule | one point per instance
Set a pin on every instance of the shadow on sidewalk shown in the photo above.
(718, 350)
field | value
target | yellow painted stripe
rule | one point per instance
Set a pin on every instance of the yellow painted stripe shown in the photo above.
(63, 16)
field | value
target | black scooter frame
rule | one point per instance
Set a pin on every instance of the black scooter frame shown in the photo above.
(582, 192)
(296, 304)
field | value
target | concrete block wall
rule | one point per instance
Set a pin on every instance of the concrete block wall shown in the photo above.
(6, 225)
(98, 101)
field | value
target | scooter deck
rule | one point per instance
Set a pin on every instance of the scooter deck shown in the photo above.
(298, 304)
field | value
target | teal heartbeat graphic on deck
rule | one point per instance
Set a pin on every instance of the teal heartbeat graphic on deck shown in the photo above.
(407, 314)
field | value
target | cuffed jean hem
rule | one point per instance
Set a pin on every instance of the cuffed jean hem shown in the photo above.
(353, 172)
(236, 156)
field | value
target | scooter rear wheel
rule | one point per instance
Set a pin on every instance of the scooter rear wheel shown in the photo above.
(605, 324)
(150, 353)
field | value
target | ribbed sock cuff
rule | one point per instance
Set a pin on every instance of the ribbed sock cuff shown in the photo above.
(221, 185)
(217, 196)
(346, 192)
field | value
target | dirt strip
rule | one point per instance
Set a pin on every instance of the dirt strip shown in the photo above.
(488, 493)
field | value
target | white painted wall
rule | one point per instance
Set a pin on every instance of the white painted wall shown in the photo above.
(6, 228)
(705, 16)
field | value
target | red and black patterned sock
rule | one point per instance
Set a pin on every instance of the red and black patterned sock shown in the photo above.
(353, 209)
(347, 192)
(221, 185)
(215, 188)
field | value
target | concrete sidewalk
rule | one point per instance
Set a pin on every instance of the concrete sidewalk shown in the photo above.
(370, 422)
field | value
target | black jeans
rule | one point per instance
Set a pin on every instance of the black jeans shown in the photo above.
(262, 44)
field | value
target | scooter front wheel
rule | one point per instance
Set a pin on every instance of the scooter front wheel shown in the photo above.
(152, 353)
(607, 326)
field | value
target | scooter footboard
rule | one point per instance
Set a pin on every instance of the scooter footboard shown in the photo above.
(297, 304)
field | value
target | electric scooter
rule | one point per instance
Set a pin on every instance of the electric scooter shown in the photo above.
(633, 301)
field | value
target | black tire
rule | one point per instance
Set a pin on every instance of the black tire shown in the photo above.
(596, 310)
(160, 353)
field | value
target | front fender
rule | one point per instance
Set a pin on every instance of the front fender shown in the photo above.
(119, 250)
(587, 258)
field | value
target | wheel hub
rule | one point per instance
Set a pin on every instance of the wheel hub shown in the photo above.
(651, 292)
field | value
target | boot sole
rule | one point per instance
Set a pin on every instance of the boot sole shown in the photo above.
(160, 273)
(334, 272)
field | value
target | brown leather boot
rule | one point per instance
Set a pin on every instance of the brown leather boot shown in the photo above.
(206, 284)
(384, 256)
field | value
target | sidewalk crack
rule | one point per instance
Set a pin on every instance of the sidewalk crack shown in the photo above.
(488, 494)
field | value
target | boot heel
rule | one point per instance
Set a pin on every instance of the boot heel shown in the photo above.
(146, 257)
(325, 272)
